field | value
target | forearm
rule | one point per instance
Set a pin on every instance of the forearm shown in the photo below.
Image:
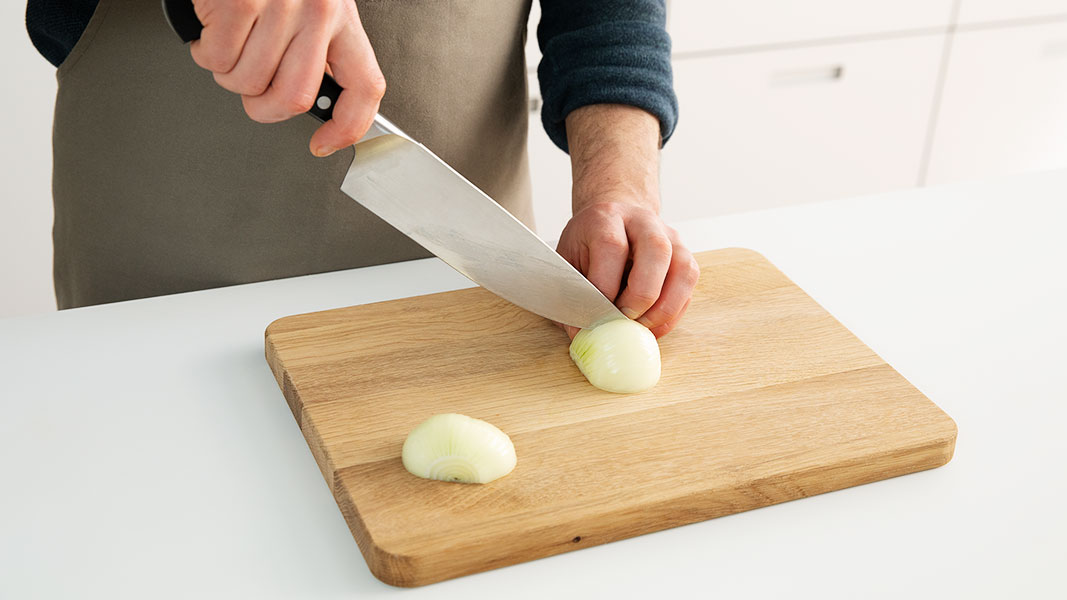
(605, 77)
(614, 152)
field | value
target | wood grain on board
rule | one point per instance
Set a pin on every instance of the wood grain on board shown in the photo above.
(764, 398)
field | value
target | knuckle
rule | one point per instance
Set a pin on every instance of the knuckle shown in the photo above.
(286, 7)
(694, 272)
(659, 245)
(297, 103)
(221, 64)
(654, 316)
(613, 241)
(643, 297)
(673, 234)
(225, 82)
(663, 330)
(376, 85)
(692, 275)
(201, 58)
(254, 85)
(244, 84)
(245, 7)
(318, 9)
(212, 58)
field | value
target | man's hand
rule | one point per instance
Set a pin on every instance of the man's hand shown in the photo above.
(616, 237)
(274, 52)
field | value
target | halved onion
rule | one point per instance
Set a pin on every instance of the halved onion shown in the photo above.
(619, 356)
(454, 447)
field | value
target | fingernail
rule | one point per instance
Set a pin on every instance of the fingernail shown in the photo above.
(324, 151)
(630, 313)
(645, 322)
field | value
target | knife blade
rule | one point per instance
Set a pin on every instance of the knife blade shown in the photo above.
(409, 187)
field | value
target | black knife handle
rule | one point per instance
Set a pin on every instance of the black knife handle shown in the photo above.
(181, 15)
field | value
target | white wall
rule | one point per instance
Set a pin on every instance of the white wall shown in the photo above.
(26, 155)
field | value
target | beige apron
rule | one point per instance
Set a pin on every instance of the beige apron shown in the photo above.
(162, 184)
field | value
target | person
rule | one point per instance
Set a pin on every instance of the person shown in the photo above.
(162, 185)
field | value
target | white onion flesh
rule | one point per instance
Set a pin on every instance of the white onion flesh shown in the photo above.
(619, 356)
(454, 447)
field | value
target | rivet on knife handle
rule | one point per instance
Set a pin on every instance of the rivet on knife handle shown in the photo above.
(181, 15)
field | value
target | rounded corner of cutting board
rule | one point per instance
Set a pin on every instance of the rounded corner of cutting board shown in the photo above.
(948, 446)
(397, 569)
(272, 327)
(277, 326)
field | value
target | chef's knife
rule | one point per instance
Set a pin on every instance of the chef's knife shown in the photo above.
(413, 190)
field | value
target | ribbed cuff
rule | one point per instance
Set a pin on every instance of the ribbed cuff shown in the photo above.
(621, 62)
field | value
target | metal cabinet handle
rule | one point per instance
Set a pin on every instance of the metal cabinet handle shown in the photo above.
(1054, 49)
(810, 75)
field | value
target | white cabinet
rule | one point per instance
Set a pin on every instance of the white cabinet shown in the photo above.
(982, 11)
(716, 24)
(550, 167)
(1004, 106)
(764, 126)
(533, 51)
(766, 129)
(550, 171)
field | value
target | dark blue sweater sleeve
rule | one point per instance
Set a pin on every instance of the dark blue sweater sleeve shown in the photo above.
(55, 25)
(604, 51)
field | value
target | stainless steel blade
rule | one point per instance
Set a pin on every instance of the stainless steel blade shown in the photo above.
(413, 190)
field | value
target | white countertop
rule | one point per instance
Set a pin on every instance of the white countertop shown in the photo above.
(146, 451)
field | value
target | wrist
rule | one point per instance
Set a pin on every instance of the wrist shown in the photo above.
(614, 156)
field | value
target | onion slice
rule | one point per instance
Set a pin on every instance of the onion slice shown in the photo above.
(454, 447)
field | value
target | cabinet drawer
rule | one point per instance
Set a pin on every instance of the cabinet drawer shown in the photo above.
(982, 11)
(697, 25)
(767, 129)
(1004, 106)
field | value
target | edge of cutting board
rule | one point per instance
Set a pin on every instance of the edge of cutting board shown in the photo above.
(399, 566)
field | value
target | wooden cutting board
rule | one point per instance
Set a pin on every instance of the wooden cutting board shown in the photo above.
(764, 398)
